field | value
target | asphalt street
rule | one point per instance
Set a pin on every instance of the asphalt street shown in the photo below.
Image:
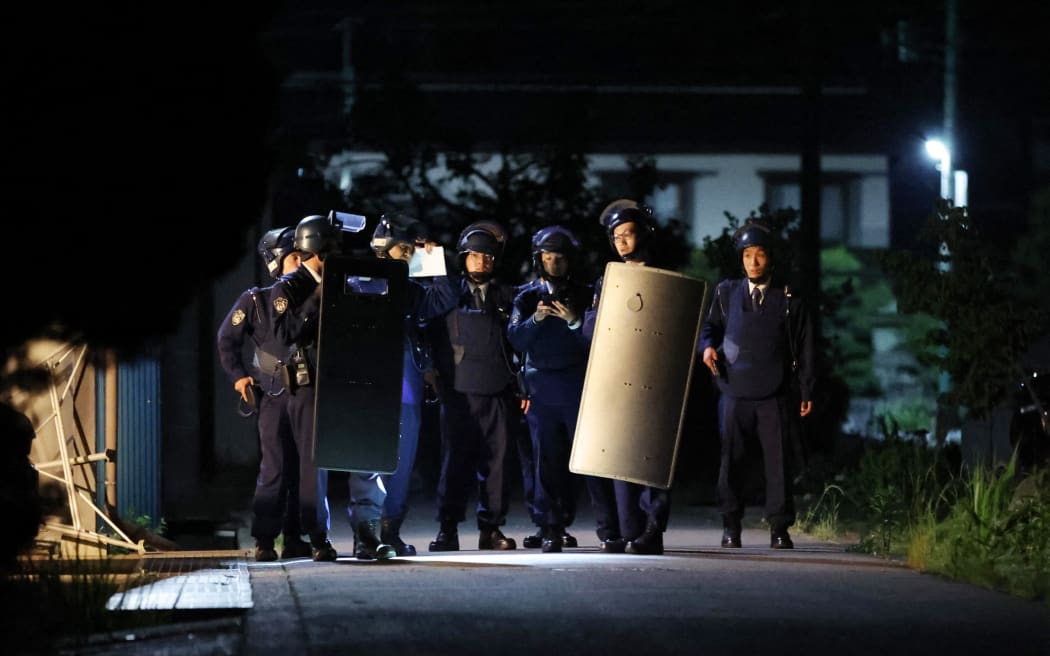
(696, 599)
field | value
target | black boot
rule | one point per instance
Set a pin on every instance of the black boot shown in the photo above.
(447, 538)
(731, 532)
(649, 543)
(390, 533)
(779, 539)
(322, 550)
(493, 538)
(534, 541)
(264, 551)
(367, 545)
(552, 539)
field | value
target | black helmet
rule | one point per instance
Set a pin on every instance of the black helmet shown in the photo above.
(553, 239)
(319, 235)
(754, 232)
(623, 211)
(396, 229)
(274, 246)
(486, 237)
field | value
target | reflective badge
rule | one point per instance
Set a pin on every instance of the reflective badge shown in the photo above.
(280, 304)
(238, 317)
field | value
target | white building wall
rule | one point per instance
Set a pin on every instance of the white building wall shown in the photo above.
(737, 184)
(712, 185)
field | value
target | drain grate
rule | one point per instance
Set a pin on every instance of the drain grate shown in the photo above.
(189, 582)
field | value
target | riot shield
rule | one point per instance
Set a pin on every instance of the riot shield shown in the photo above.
(638, 375)
(359, 363)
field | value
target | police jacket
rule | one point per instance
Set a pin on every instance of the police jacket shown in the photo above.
(248, 320)
(417, 355)
(760, 351)
(470, 347)
(555, 354)
(294, 310)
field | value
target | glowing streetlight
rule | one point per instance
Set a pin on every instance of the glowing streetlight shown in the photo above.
(936, 149)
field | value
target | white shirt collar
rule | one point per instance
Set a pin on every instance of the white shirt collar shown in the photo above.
(751, 287)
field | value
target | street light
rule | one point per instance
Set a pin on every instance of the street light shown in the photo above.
(936, 149)
(953, 183)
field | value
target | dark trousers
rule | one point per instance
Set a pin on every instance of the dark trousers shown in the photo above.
(313, 502)
(275, 506)
(623, 510)
(617, 507)
(747, 420)
(474, 436)
(399, 483)
(527, 462)
(552, 428)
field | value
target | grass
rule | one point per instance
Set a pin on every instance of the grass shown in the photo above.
(988, 525)
(820, 517)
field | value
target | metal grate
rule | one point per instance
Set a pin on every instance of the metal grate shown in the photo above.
(198, 581)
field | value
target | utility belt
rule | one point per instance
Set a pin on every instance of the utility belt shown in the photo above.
(300, 372)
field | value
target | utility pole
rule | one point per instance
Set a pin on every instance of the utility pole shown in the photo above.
(810, 187)
(951, 35)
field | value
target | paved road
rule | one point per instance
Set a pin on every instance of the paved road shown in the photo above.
(696, 599)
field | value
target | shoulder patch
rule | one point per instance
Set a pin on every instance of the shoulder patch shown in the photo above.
(238, 317)
(280, 304)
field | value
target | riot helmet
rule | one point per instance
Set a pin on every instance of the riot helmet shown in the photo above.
(624, 211)
(754, 232)
(485, 237)
(553, 239)
(319, 235)
(274, 246)
(394, 229)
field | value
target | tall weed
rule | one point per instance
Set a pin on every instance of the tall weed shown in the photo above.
(898, 482)
(997, 533)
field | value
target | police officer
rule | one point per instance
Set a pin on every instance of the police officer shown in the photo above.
(630, 517)
(294, 313)
(545, 326)
(397, 237)
(261, 391)
(468, 318)
(756, 338)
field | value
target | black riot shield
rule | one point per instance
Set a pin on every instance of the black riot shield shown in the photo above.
(359, 362)
(638, 375)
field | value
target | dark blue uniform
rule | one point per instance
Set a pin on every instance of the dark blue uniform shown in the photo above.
(475, 366)
(623, 510)
(294, 312)
(757, 350)
(293, 309)
(416, 360)
(555, 368)
(275, 506)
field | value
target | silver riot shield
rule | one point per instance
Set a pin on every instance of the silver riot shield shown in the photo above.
(359, 363)
(638, 374)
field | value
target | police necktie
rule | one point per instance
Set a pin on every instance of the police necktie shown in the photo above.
(479, 302)
(756, 299)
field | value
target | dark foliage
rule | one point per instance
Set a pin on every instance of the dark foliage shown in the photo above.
(970, 283)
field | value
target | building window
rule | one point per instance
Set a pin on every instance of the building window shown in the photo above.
(839, 203)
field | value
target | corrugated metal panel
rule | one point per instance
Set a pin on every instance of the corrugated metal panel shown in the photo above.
(138, 439)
